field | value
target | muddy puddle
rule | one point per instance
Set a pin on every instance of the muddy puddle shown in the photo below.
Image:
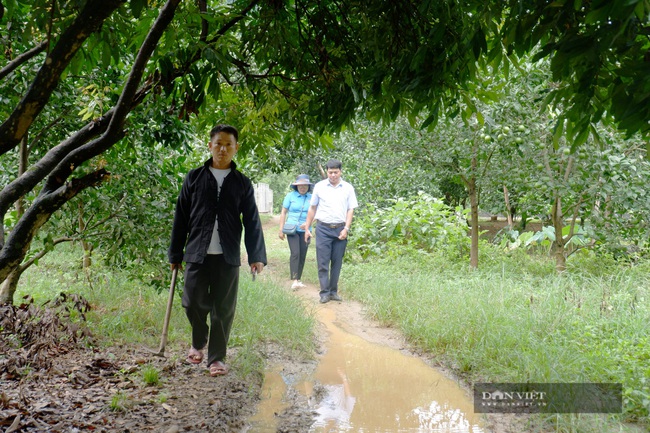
(361, 386)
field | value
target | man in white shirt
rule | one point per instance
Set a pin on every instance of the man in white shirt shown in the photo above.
(332, 205)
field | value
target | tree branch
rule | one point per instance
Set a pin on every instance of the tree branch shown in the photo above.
(230, 24)
(42, 132)
(122, 108)
(25, 183)
(40, 254)
(20, 238)
(203, 9)
(22, 58)
(574, 218)
(112, 215)
(87, 22)
(182, 69)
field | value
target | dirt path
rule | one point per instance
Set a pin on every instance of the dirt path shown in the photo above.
(352, 317)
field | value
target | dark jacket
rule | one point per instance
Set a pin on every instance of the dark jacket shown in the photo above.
(196, 208)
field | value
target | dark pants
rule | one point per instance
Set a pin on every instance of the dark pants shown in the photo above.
(298, 248)
(211, 288)
(329, 256)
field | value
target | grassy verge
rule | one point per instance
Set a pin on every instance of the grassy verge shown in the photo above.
(126, 312)
(516, 320)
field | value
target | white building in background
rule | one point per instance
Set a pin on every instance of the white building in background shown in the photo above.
(263, 198)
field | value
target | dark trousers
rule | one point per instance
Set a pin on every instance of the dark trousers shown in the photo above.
(298, 248)
(329, 256)
(211, 288)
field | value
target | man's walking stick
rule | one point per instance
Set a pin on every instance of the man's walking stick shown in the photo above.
(168, 313)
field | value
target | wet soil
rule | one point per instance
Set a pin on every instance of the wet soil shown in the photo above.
(52, 381)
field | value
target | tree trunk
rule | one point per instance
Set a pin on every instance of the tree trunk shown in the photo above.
(473, 199)
(23, 157)
(87, 246)
(558, 247)
(508, 208)
(9, 286)
(58, 189)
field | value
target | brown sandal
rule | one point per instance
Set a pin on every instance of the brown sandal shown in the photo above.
(218, 368)
(194, 356)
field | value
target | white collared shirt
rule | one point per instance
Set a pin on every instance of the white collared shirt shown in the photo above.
(333, 202)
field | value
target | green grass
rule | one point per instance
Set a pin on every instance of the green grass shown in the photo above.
(127, 312)
(516, 320)
(150, 375)
(120, 402)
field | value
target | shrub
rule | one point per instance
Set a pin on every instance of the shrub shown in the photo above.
(422, 223)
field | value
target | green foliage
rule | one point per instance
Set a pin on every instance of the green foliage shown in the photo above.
(515, 320)
(542, 240)
(293, 77)
(421, 223)
(598, 57)
(383, 161)
(128, 220)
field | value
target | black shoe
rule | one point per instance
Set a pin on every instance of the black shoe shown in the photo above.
(335, 297)
(324, 299)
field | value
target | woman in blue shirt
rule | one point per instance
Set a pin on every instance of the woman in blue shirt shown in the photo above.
(294, 211)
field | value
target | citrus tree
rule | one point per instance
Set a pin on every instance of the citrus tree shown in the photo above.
(81, 76)
(294, 65)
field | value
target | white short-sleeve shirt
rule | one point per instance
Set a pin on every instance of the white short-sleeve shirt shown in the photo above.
(333, 202)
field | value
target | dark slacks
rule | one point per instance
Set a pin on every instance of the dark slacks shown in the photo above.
(329, 256)
(298, 248)
(211, 288)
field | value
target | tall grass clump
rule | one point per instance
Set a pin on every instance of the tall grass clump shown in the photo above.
(515, 319)
(150, 375)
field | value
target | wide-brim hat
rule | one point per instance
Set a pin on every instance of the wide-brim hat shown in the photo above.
(301, 179)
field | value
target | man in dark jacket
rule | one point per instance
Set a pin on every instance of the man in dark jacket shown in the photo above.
(214, 201)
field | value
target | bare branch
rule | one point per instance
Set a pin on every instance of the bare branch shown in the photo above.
(41, 254)
(22, 58)
(43, 131)
(581, 247)
(108, 217)
(574, 218)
